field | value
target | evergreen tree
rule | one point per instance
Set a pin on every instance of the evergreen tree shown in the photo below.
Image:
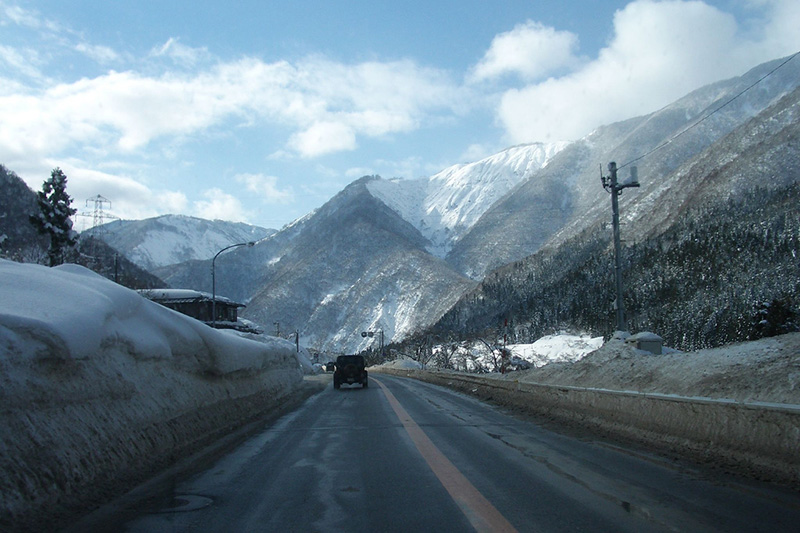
(774, 318)
(53, 216)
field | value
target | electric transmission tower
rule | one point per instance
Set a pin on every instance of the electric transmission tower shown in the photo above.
(99, 214)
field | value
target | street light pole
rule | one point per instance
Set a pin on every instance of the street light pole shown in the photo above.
(214, 280)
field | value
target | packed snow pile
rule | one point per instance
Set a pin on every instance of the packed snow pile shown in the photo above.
(99, 385)
(559, 348)
(766, 370)
(403, 363)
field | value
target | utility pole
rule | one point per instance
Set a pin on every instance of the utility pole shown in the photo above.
(371, 334)
(611, 185)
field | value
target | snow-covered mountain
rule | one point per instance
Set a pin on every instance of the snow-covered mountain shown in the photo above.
(157, 242)
(371, 258)
(446, 205)
(566, 196)
(710, 256)
(353, 265)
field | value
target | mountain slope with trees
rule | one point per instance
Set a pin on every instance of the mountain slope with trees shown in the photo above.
(566, 196)
(719, 265)
(19, 239)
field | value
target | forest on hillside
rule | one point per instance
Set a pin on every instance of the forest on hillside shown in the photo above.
(725, 272)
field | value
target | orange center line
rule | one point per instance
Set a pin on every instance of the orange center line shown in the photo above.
(479, 511)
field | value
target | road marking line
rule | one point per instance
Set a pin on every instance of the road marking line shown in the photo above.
(479, 511)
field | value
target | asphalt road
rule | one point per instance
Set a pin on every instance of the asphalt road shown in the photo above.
(408, 456)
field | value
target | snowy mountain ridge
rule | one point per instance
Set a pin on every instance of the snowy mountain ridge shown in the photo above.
(446, 205)
(171, 239)
(565, 197)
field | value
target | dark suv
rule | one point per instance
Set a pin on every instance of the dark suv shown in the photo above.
(349, 369)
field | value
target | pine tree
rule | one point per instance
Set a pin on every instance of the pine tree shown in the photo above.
(53, 216)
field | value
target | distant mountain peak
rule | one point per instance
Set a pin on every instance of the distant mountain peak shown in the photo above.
(169, 239)
(446, 205)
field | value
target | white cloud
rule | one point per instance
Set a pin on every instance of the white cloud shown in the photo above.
(130, 199)
(24, 61)
(779, 35)
(476, 152)
(101, 54)
(316, 106)
(51, 30)
(660, 51)
(323, 138)
(23, 17)
(410, 167)
(531, 50)
(266, 187)
(219, 205)
(180, 53)
(327, 104)
(335, 103)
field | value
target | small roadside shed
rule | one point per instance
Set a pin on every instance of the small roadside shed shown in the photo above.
(647, 341)
(197, 304)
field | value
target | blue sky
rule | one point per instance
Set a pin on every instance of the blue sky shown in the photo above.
(260, 111)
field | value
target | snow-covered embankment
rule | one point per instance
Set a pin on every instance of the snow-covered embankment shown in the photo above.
(100, 387)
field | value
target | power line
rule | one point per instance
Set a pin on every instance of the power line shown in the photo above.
(712, 113)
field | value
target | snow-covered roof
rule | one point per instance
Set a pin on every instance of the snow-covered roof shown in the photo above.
(184, 296)
(644, 336)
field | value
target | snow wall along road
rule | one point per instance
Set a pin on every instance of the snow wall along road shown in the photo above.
(100, 388)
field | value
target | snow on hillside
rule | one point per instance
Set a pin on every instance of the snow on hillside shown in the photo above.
(96, 382)
(447, 204)
(172, 239)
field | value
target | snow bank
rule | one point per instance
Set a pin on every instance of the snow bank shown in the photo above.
(766, 370)
(399, 364)
(100, 386)
(304, 358)
(557, 348)
(70, 312)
